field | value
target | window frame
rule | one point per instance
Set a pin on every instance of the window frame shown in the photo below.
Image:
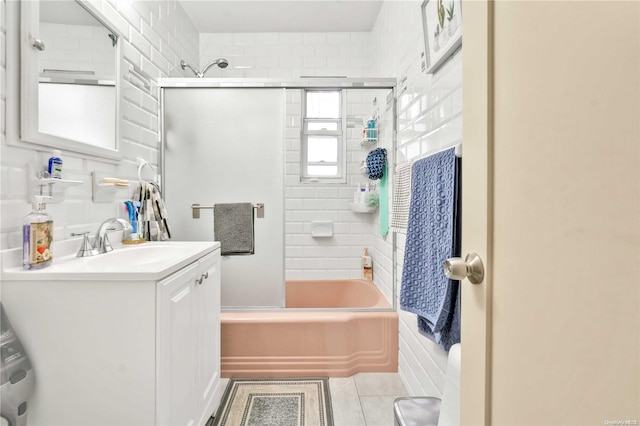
(340, 135)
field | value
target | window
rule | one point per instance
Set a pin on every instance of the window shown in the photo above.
(323, 156)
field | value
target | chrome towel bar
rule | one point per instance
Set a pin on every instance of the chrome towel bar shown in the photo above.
(195, 210)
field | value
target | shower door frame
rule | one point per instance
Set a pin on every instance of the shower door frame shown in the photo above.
(298, 83)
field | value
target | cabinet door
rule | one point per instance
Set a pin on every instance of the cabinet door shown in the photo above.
(209, 336)
(177, 401)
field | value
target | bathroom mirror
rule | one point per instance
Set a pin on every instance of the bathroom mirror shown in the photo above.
(70, 60)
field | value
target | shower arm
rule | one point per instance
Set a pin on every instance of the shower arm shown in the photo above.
(184, 65)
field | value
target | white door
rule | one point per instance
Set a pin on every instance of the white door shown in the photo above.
(227, 146)
(552, 204)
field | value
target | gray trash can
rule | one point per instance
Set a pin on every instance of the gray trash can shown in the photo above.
(416, 411)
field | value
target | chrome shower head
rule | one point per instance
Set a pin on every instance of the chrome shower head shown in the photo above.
(220, 62)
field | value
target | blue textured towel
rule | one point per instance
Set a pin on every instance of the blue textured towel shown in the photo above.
(433, 236)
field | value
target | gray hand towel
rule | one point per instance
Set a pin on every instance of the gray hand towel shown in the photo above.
(233, 227)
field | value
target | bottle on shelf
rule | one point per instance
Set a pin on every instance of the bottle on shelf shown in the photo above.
(371, 128)
(367, 266)
(55, 165)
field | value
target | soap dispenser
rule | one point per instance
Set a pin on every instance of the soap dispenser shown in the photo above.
(37, 236)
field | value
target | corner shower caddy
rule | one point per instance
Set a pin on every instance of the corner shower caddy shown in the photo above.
(369, 140)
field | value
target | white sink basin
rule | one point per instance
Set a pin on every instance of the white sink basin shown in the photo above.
(140, 262)
(141, 254)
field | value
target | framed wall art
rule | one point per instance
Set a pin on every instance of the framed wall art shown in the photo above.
(442, 25)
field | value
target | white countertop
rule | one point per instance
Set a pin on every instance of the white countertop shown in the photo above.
(150, 261)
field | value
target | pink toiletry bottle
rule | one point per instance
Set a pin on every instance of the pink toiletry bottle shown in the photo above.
(367, 266)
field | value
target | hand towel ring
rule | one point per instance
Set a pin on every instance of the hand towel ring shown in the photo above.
(141, 164)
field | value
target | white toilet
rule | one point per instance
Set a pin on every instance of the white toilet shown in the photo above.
(431, 411)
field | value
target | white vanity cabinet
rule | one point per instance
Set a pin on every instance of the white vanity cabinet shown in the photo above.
(189, 343)
(121, 348)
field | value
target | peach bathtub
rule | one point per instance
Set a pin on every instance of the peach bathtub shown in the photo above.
(291, 343)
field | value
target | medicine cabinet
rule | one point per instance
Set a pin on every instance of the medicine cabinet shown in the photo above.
(70, 76)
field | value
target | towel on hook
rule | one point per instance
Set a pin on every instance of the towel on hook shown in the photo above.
(233, 227)
(383, 211)
(433, 235)
(153, 221)
(401, 198)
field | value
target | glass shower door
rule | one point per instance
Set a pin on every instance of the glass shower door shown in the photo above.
(226, 145)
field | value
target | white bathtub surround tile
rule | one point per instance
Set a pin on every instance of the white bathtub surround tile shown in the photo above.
(297, 274)
(335, 274)
(345, 402)
(356, 274)
(378, 410)
(379, 384)
(314, 274)
(421, 358)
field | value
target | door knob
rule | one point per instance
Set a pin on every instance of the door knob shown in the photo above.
(471, 267)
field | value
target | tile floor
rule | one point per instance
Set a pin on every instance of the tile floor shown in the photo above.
(365, 399)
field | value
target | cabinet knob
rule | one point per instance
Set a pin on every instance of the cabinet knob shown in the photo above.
(38, 44)
(206, 275)
(199, 281)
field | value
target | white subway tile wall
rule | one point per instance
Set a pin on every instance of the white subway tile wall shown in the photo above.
(429, 112)
(156, 35)
(287, 55)
(337, 257)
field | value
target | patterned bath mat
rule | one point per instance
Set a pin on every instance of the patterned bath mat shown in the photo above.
(276, 402)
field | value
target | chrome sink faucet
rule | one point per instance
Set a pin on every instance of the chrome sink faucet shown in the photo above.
(86, 249)
(101, 240)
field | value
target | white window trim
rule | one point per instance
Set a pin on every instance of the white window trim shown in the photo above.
(341, 135)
